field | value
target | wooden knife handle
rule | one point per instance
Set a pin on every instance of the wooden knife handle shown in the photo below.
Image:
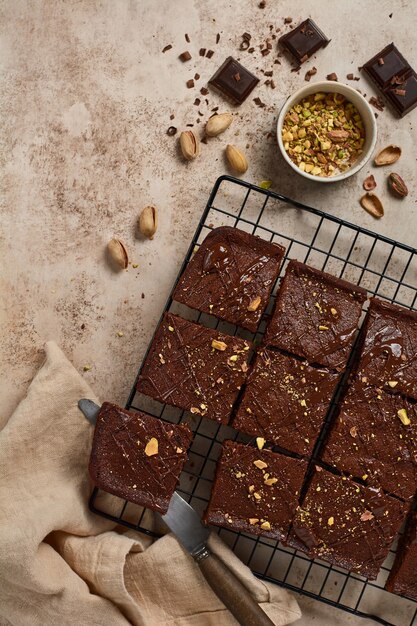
(234, 595)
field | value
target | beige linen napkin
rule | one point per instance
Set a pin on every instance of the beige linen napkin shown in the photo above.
(60, 564)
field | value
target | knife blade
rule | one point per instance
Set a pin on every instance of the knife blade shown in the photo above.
(89, 409)
(184, 522)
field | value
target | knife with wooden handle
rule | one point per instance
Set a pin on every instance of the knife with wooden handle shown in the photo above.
(184, 522)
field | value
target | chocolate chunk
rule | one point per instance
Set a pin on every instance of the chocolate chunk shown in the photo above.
(255, 491)
(209, 53)
(285, 401)
(316, 316)
(388, 348)
(194, 368)
(202, 52)
(187, 38)
(228, 274)
(349, 76)
(196, 76)
(403, 575)
(168, 47)
(224, 80)
(204, 91)
(304, 40)
(197, 102)
(369, 441)
(332, 76)
(395, 79)
(171, 131)
(138, 457)
(287, 20)
(190, 83)
(346, 524)
(310, 73)
(185, 56)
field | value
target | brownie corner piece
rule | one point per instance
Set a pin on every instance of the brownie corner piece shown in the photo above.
(138, 457)
(285, 401)
(255, 491)
(403, 576)
(346, 524)
(194, 368)
(231, 276)
(373, 438)
(316, 316)
(388, 356)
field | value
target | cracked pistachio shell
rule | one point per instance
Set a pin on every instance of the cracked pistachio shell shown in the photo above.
(388, 155)
(118, 253)
(372, 204)
(148, 221)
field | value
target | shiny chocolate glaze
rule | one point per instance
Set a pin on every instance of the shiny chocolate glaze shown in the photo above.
(388, 355)
(228, 272)
(285, 401)
(369, 441)
(119, 464)
(240, 493)
(183, 369)
(316, 316)
(346, 524)
(403, 575)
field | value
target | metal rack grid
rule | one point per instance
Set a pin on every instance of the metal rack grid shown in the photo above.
(383, 267)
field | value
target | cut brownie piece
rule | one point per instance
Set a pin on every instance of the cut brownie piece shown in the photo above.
(255, 491)
(388, 355)
(194, 368)
(231, 276)
(138, 457)
(346, 524)
(285, 401)
(375, 438)
(403, 576)
(316, 316)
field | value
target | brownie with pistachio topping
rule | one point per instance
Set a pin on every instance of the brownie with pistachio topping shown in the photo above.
(255, 491)
(375, 438)
(346, 524)
(285, 401)
(194, 368)
(403, 575)
(388, 355)
(316, 316)
(138, 457)
(231, 276)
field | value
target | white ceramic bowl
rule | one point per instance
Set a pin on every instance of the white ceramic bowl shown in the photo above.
(364, 110)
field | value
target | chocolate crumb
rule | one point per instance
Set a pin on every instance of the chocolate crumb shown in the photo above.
(82, 326)
(332, 76)
(168, 47)
(247, 36)
(171, 131)
(259, 103)
(197, 102)
(310, 73)
(217, 37)
(236, 76)
(172, 116)
(196, 76)
(269, 73)
(187, 39)
(200, 113)
(304, 58)
(287, 20)
(190, 125)
(265, 52)
(273, 84)
(399, 92)
(143, 295)
(204, 139)
(390, 15)
(190, 83)
(214, 109)
(250, 50)
(202, 52)
(185, 56)
(209, 53)
(349, 76)
(204, 91)
(262, 4)
(244, 45)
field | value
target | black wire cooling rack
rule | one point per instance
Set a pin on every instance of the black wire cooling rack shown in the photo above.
(380, 265)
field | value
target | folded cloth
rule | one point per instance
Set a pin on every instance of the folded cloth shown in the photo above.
(59, 563)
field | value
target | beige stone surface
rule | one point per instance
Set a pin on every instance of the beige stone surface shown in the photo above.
(86, 101)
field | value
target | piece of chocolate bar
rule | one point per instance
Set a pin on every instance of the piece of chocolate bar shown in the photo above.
(234, 81)
(304, 40)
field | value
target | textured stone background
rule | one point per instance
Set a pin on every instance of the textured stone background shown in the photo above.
(85, 102)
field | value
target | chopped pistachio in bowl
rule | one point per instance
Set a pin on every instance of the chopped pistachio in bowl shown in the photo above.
(326, 131)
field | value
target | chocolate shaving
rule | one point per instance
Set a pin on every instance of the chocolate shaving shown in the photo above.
(265, 52)
(217, 37)
(209, 53)
(332, 76)
(269, 73)
(251, 50)
(247, 36)
(310, 73)
(244, 45)
(377, 103)
(171, 131)
(187, 39)
(202, 52)
(399, 92)
(190, 125)
(168, 47)
(185, 56)
(190, 83)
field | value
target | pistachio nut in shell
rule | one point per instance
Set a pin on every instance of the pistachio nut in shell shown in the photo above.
(236, 159)
(190, 145)
(388, 155)
(148, 221)
(372, 204)
(217, 124)
(397, 185)
(118, 253)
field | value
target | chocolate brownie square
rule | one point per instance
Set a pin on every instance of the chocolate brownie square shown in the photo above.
(316, 316)
(231, 276)
(285, 401)
(403, 576)
(375, 438)
(346, 524)
(255, 491)
(138, 457)
(194, 368)
(388, 355)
